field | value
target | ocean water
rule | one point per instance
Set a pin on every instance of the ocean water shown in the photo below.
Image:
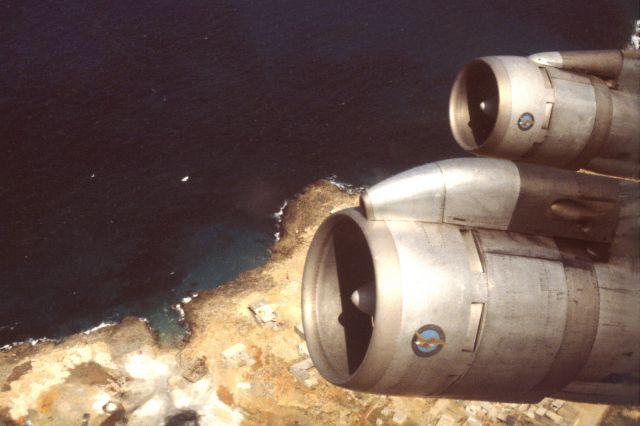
(146, 145)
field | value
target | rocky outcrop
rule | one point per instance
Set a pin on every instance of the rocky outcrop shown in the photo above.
(238, 366)
(121, 375)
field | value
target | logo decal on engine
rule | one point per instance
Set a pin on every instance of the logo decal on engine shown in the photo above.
(526, 120)
(428, 340)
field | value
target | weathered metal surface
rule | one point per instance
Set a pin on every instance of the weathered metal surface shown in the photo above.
(488, 279)
(563, 109)
(496, 194)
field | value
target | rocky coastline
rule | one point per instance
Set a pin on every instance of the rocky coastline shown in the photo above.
(244, 362)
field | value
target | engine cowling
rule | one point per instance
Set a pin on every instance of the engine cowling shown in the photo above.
(563, 109)
(481, 278)
(426, 290)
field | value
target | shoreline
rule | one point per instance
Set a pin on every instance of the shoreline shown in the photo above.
(243, 362)
(176, 307)
(26, 380)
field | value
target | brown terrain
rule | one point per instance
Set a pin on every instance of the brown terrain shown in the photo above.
(238, 366)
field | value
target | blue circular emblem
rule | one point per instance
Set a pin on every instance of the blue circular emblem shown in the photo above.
(526, 120)
(428, 340)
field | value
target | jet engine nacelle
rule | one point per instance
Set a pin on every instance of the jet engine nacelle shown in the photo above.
(564, 109)
(460, 279)
(488, 279)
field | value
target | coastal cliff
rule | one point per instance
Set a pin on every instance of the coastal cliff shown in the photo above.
(244, 362)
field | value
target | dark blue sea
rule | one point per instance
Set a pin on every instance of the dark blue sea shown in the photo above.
(145, 145)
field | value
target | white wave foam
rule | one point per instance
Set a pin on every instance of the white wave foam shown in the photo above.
(103, 324)
(29, 341)
(344, 186)
(180, 310)
(36, 341)
(278, 217)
